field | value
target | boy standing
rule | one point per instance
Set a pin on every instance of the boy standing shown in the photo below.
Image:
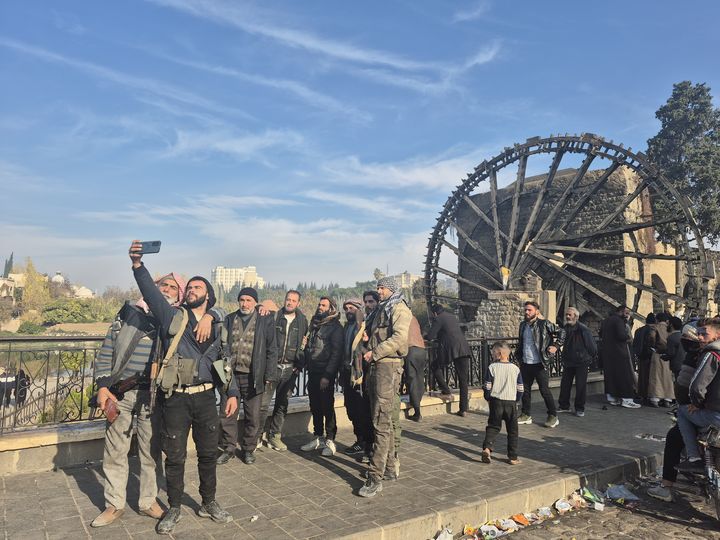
(503, 388)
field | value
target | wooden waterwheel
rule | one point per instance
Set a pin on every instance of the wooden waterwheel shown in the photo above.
(588, 232)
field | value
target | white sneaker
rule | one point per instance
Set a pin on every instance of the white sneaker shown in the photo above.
(329, 449)
(316, 444)
(629, 404)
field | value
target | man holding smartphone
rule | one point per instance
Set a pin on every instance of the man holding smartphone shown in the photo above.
(191, 401)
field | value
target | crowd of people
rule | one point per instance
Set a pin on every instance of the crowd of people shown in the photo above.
(166, 358)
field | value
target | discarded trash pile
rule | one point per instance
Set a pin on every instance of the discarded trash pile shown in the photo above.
(585, 497)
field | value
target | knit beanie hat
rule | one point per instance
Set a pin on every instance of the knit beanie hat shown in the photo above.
(210, 291)
(248, 291)
(388, 283)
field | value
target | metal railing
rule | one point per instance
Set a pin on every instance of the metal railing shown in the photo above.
(45, 380)
(49, 380)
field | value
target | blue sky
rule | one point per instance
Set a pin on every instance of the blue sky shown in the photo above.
(315, 140)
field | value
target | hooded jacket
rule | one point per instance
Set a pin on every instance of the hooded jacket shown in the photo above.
(705, 384)
(324, 350)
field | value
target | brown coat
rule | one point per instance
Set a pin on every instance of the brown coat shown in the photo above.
(660, 379)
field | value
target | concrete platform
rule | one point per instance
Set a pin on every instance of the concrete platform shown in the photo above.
(303, 495)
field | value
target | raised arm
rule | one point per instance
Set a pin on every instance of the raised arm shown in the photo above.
(161, 310)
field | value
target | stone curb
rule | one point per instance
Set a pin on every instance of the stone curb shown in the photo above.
(477, 512)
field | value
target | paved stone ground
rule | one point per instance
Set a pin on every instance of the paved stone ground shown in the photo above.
(301, 495)
(686, 518)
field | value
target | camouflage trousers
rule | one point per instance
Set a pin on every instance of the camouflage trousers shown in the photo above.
(383, 385)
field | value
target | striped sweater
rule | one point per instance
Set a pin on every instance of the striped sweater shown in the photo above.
(130, 320)
(503, 381)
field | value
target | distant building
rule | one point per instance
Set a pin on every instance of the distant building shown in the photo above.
(226, 278)
(58, 278)
(82, 292)
(7, 288)
(406, 279)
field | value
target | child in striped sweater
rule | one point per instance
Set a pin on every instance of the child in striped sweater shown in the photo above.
(503, 388)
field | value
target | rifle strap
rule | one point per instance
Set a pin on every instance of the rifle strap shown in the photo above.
(174, 343)
(178, 335)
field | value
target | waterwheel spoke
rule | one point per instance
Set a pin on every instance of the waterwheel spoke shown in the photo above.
(603, 274)
(536, 207)
(459, 278)
(609, 252)
(582, 203)
(569, 190)
(514, 215)
(487, 273)
(617, 230)
(493, 210)
(473, 244)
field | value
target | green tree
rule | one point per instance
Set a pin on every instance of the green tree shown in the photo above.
(378, 274)
(687, 151)
(36, 293)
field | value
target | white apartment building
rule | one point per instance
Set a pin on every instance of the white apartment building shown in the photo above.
(406, 279)
(226, 278)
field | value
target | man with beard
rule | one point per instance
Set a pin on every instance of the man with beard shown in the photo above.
(290, 328)
(253, 358)
(188, 381)
(539, 340)
(387, 330)
(615, 339)
(577, 355)
(703, 410)
(323, 354)
(127, 353)
(352, 375)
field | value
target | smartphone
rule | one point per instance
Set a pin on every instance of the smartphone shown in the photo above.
(150, 247)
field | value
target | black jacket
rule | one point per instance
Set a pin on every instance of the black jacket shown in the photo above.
(263, 365)
(293, 348)
(579, 348)
(206, 353)
(544, 334)
(446, 330)
(324, 350)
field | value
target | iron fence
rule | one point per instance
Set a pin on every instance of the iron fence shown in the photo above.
(45, 380)
(49, 380)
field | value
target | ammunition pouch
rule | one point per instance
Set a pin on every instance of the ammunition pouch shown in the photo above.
(223, 369)
(177, 371)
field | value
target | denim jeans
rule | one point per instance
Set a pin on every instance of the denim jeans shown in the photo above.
(689, 423)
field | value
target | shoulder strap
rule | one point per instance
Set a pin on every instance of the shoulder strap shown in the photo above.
(178, 334)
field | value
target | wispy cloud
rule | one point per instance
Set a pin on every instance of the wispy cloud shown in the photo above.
(473, 12)
(248, 20)
(241, 147)
(378, 65)
(300, 91)
(129, 81)
(18, 178)
(215, 209)
(436, 173)
(392, 209)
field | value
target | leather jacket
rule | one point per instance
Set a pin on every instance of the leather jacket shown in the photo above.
(544, 334)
